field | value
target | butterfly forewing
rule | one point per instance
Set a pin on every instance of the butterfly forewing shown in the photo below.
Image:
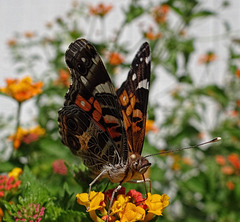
(91, 122)
(133, 97)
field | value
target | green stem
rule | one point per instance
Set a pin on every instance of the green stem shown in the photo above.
(18, 115)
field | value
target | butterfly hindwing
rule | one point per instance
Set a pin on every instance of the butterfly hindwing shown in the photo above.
(133, 97)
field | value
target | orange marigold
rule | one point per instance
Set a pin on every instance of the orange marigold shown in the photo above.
(100, 10)
(115, 58)
(26, 135)
(23, 89)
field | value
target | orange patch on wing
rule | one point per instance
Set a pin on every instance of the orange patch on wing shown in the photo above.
(97, 106)
(133, 100)
(137, 114)
(129, 110)
(124, 100)
(127, 123)
(82, 103)
(112, 130)
(96, 115)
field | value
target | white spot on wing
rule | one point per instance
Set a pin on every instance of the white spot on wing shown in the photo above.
(134, 76)
(141, 59)
(105, 87)
(82, 103)
(143, 84)
(147, 59)
(83, 59)
(84, 80)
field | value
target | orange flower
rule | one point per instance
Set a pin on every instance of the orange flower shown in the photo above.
(22, 89)
(151, 35)
(230, 185)
(238, 73)
(228, 170)
(115, 58)
(63, 79)
(29, 35)
(150, 126)
(220, 160)
(1, 214)
(160, 13)
(234, 160)
(207, 58)
(26, 136)
(100, 10)
(12, 42)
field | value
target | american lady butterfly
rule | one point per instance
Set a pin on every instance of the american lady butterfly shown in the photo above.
(104, 127)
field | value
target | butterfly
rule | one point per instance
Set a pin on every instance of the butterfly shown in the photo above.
(104, 126)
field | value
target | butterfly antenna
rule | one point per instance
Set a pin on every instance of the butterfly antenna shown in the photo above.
(186, 148)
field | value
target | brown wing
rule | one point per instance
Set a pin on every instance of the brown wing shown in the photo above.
(92, 107)
(133, 97)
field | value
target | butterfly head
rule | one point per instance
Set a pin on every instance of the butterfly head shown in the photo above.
(138, 164)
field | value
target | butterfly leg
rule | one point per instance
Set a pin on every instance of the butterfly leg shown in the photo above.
(94, 181)
(111, 201)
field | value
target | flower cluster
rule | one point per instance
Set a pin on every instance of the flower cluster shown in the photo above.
(32, 213)
(100, 10)
(125, 207)
(160, 13)
(115, 58)
(26, 136)
(10, 183)
(230, 165)
(23, 89)
(59, 167)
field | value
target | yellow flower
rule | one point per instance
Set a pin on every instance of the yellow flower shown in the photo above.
(16, 172)
(132, 213)
(96, 200)
(120, 203)
(22, 89)
(96, 203)
(156, 203)
(26, 135)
